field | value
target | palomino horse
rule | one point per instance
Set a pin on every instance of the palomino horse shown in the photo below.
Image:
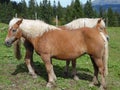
(89, 22)
(78, 23)
(52, 42)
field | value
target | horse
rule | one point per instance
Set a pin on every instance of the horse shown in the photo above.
(28, 47)
(78, 23)
(52, 42)
(89, 22)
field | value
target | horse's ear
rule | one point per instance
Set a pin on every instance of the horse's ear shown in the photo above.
(99, 21)
(103, 19)
(19, 22)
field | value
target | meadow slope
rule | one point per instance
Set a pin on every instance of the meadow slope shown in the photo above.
(14, 74)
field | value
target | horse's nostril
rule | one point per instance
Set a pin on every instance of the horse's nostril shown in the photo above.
(7, 43)
(107, 38)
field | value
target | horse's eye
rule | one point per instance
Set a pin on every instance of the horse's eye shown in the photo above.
(13, 30)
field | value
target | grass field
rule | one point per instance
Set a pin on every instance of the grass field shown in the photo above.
(14, 74)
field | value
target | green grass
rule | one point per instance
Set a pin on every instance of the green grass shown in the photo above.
(14, 74)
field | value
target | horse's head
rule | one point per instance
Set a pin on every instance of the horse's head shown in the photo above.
(102, 28)
(14, 33)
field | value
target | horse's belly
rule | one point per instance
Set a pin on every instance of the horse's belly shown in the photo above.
(68, 55)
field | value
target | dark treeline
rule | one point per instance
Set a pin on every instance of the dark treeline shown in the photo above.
(47, 12)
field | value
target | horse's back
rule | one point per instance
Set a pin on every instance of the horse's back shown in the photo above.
(65, 44)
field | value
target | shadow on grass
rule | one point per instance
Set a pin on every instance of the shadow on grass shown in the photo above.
(84, 74)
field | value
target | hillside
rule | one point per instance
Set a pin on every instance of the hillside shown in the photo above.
(105, 2)
(114, 4)
(14, 74)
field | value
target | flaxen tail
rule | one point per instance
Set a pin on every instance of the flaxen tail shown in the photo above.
(17, 50)
(105, 56)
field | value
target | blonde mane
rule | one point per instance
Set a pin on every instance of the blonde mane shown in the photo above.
(84, 22)
(33, 28)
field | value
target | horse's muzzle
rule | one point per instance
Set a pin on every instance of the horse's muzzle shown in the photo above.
(8, 43)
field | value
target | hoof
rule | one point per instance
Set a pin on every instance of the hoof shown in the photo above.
(33, 75)
(65, 74)
(50, 84)
(55, 78)
(91, 84)
(37, 72)
(76, 78)
(103, 87)
(106, 73)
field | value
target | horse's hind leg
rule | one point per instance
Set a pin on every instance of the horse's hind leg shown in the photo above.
(74, 72)
(95, 78)
(66, 68)
(99, 63)
(29, 58)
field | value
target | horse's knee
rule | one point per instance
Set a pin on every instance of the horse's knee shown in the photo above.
(49, 67)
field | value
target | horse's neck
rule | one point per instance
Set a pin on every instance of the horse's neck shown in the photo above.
(32, 40)
(36, 28)
(26, 34)
(33, 32)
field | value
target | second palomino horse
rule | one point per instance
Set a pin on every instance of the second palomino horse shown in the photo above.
(89, 22)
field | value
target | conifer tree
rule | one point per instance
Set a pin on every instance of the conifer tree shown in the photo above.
(32, 9)
(59, 10)
(21, 9)
(78, 10)
(46, 11)
(88, 10)
(7, 12)
(61, 13)
(119, 20)
(54, 9)
(101, 12)
(24, 12)
(4, 1)
(116, 19)
(50, 12)
(110, 15)
(69, 15)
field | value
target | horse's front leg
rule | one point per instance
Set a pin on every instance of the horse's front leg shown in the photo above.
(74, 72)
(29, 59)
(49, 68)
